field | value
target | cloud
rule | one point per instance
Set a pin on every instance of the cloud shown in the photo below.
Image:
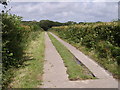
(66, 11)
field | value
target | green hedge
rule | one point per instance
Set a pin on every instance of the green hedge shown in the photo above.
(15, 38)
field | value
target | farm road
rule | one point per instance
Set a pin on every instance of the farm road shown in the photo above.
(55, 75)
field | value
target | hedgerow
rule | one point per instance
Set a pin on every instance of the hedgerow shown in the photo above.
(15, 38)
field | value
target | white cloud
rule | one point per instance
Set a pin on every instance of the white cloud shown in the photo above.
(64, 11)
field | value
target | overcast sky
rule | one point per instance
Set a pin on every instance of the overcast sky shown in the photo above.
(66, 11)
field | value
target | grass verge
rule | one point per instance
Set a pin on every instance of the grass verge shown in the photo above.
(29, 75)
(74, 70)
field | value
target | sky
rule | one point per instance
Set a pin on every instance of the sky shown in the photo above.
(89, 11)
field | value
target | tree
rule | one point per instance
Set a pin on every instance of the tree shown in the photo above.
(46, 24)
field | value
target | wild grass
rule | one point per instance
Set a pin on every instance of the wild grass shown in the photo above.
(29, 75)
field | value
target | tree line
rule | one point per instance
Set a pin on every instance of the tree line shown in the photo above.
(47, 24)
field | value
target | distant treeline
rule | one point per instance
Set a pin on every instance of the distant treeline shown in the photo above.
(47, 24)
